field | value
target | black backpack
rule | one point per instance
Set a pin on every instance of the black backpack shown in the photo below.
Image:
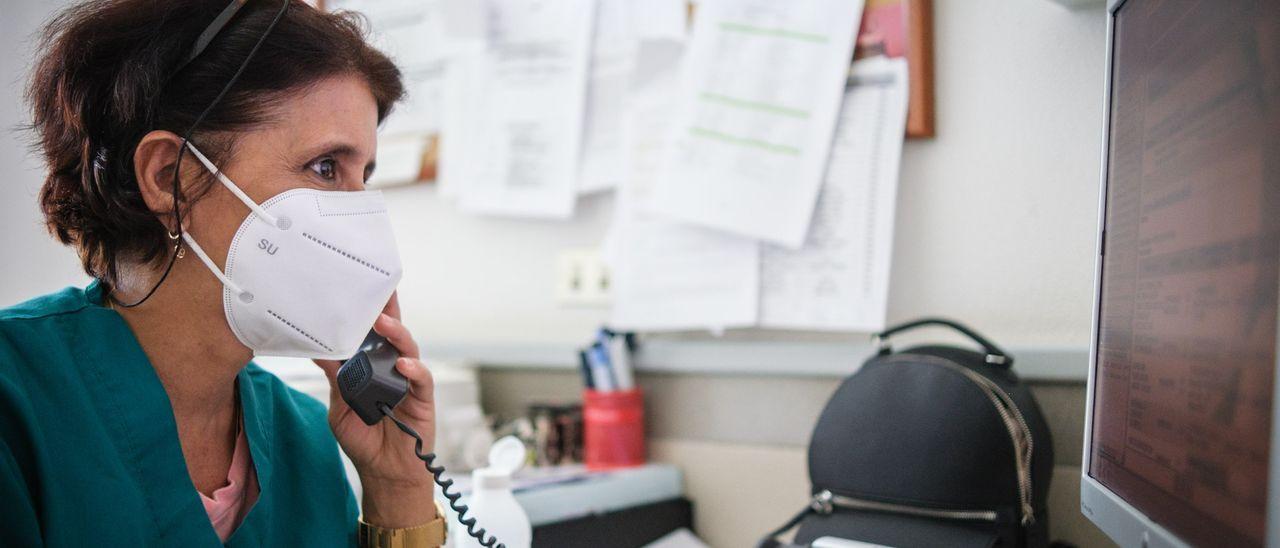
(930, 446)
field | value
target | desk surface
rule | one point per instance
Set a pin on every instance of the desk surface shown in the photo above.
(572, 492)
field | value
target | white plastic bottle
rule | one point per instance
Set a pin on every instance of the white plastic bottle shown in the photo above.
(492, 503)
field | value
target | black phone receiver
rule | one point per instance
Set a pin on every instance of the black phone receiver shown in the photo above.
(369, 379)
(372, 387)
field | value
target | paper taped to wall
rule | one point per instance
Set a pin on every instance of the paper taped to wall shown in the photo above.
(758, 101)
(410, 31)
(612, 57)
(658, 19)
(669, 275)
(839, 280)
(463, 85)
(399, 160)
(465, 30)
(530, 117)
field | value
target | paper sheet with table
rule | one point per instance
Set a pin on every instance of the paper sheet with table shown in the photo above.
(689, 277)
(839, 280)
(758, 102)
(669, 275)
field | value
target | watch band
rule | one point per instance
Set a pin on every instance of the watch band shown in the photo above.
(428, 535)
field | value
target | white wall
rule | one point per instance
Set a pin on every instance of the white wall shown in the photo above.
(33, 262)
(997, 216)
(995, 222)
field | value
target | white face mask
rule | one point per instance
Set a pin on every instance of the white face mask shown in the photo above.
(308, 271)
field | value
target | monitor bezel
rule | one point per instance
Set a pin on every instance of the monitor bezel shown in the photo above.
(1125, 524)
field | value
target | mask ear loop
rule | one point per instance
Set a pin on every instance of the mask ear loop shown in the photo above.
(186, 139)
(245, 296)
(257, 209)
(280, 222)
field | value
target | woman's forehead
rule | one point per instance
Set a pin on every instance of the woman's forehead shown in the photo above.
(338, 111)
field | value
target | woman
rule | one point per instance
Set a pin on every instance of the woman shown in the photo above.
(130, 412)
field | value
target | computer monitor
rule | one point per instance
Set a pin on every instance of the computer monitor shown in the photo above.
(1180, 432)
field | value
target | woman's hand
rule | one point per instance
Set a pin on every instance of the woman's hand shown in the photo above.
(397, 487)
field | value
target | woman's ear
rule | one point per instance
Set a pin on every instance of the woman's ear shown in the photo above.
(153, 165)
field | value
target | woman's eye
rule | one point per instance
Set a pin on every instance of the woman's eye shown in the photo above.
(326, 168)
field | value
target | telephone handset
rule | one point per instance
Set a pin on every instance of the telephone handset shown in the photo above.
(370, 378)
(372, 387)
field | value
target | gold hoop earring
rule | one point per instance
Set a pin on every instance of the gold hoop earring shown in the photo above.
(177, 247)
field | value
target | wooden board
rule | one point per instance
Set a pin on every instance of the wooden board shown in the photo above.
(904, 28)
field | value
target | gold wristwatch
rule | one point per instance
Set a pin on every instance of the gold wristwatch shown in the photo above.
(428, 535)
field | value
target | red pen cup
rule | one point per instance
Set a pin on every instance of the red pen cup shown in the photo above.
(613, 429)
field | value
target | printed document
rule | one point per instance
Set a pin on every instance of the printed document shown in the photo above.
(409, 31)
(465, 26)
(459, 136)
(839, 280)
(669, 275)
(530, 117)
(612, 57)
(759, 97)
(658, 19)
(399, 160)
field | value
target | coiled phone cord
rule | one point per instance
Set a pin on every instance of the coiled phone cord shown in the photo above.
(437, 474)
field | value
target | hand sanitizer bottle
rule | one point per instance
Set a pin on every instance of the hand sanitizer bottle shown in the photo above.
(492, 503)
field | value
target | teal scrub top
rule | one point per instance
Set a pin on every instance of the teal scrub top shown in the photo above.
(89, 452)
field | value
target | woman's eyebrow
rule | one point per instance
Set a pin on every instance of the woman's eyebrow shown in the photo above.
(332, 148)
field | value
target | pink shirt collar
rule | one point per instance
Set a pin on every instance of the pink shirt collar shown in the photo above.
(231, 502)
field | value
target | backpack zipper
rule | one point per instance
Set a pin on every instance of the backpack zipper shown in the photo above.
(824, 502)
(1010, 415)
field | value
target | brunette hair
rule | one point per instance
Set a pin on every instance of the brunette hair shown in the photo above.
(110, 71)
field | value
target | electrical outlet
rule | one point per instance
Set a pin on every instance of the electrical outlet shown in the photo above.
(582, 279)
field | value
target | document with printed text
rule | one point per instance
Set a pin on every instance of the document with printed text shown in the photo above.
(669, 275)
(465, 26)
(839, 280)
(410, 32)
(612, 58)
(758, 102)
(529, 129)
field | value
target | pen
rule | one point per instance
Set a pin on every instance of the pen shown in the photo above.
(585, 367)
(600, 374)
(620, 358)
(604, 338)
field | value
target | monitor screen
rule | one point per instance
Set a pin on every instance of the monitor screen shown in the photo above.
(1190, 266)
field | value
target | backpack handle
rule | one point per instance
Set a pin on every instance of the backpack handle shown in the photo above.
(995, 355)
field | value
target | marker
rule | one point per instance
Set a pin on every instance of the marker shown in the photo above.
(584, 365)
(601, 377)
(621, 356)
